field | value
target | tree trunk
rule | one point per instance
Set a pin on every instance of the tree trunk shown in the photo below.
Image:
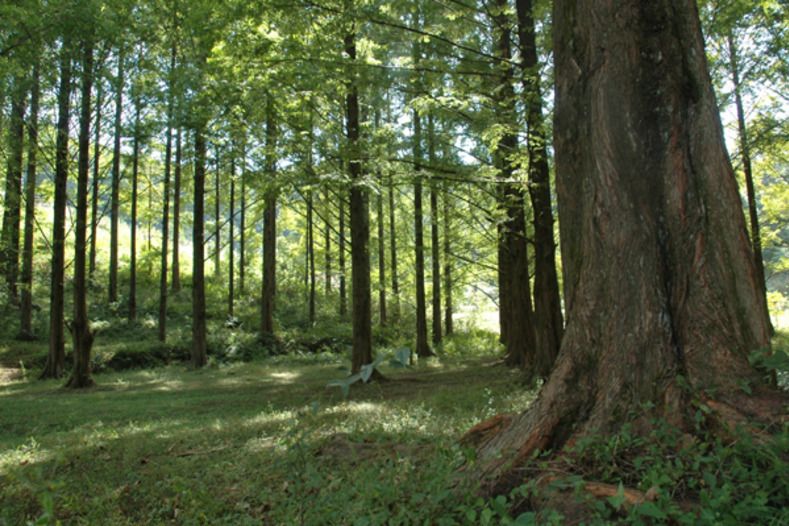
(745, 153)
(341, 248)
(94, 200)
(218, 220)
(9, 255)
(168, 156)
(379, 202)
(448, 308)
(360, 227)
(661, 288)
(176, 271)
(133, 251)
(242, 247)
(515, 290)
(199, 350)
(55, 365)
(269, 228)
(393, 252)
(26, 305)
(116, 181)
(422, 345)
(435, 247)
(311, 253)
(327, 239)
(232, 239)
(80, 326)
(547, 303)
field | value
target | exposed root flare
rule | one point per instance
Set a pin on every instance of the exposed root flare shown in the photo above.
(479, 435)
(601, 490)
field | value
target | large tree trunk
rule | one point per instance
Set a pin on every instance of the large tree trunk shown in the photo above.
(199, 351)
(9, 240)
(745, 153)
(94, 200)
(26, 293)
(56, 358)
(660, 284)
(311, 255)
(547, 304)
(80, 325)
(116, 181)
(176, 270)
(269, 228)
(514, 287)
(360, 228)
(133, 248)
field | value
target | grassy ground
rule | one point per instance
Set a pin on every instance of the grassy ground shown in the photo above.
(264, 442)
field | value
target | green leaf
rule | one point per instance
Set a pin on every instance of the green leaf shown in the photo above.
(648, 509)
(617, 500)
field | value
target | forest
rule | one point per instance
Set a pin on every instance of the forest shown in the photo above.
(394, 262)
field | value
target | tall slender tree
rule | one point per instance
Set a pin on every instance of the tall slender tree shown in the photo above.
(26, 295)
(547, 304)
(133, 226)
(435, 248)
(176, 270)
(269, 226)
(199, 346)
(514, 287)
(96, 179)
(56, 358)
(360, 222)
(116, 178)
(81, 331)
(9, 238)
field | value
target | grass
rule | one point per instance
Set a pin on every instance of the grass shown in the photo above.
(246, 443)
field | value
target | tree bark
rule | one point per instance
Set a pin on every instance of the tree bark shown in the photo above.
(80, 326)
(360, 227)
(231, 266)
(176, 270)
(514, 287)
(310, 259)
(133, 248)
(199, 347)
(341, 248)
(218, 220)
(379, 203)
(269, 227)
(116, 181)
(393, 252)
(449, 327)
(327, 239)
(660, 284)
(547, 304)
(94, 201)
(422, 345)
(168, 157)
(435, 247)
(747, 168)
(9, 255)
(26, 296)
(242, 247)
(56, 358)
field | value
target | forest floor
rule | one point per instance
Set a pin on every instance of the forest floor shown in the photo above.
(265, 442)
